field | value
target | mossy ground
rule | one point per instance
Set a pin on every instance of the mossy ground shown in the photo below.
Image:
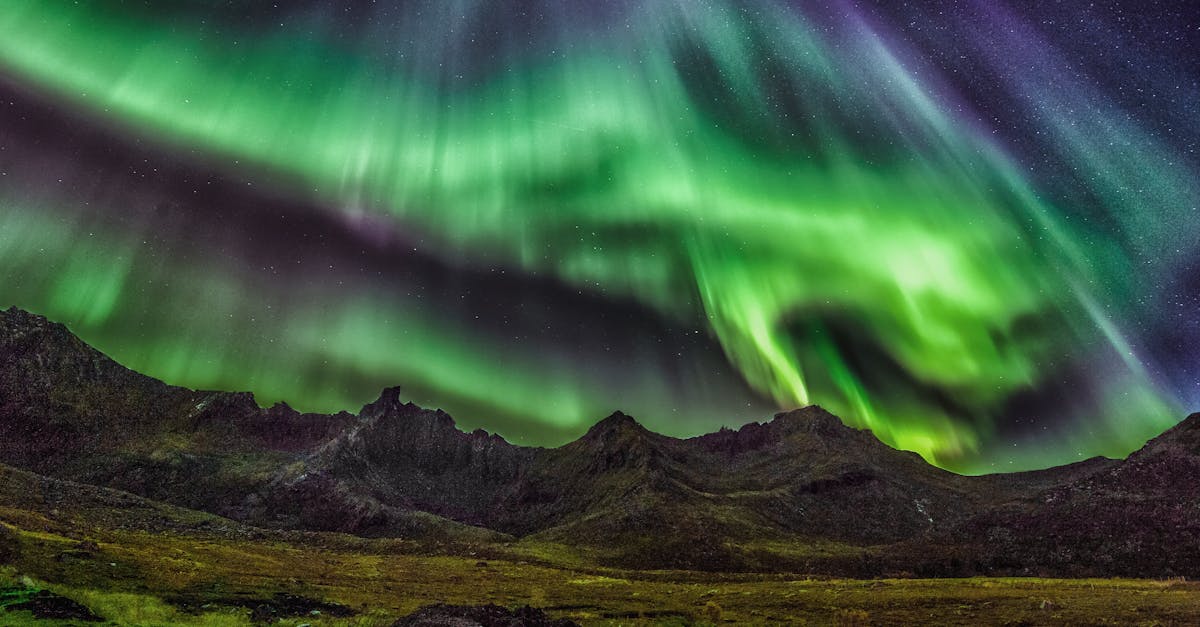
(134, 577)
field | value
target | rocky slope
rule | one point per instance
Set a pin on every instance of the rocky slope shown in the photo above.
(1137, 518)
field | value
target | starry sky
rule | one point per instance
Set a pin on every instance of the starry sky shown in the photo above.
(972, 227)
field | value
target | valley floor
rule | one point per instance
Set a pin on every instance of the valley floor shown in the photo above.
(210, 574)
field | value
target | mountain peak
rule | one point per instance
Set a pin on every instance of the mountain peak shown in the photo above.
(812, 419)
(389, 399)
(17, 312)
(758, 435)
(617, 421)
(1183, 437)
(17, 322)
(389, 406)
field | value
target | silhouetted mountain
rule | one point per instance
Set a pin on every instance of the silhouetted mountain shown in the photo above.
(395, 458)
(799, 492)
(1137, 517)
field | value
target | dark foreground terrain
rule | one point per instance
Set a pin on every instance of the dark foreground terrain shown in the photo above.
(124, 499)
(129, 561)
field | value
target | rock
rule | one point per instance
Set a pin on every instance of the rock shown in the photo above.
(442, 615)
(44, 604)
(264, 614)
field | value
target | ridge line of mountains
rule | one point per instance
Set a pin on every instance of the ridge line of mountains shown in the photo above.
(799, 493)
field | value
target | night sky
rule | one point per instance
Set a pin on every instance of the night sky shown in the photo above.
(973, 227)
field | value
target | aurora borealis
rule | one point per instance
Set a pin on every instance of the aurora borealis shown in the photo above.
(970, 227)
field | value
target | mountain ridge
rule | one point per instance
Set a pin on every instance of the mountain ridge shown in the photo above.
(631, 496)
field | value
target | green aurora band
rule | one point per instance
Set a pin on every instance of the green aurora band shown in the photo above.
(615, 165)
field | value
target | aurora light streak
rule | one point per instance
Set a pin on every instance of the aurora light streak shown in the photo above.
(532, 213)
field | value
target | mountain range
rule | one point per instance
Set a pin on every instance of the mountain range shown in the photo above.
(801, 492)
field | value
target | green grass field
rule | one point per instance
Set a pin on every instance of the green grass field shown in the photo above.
(196, 577)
